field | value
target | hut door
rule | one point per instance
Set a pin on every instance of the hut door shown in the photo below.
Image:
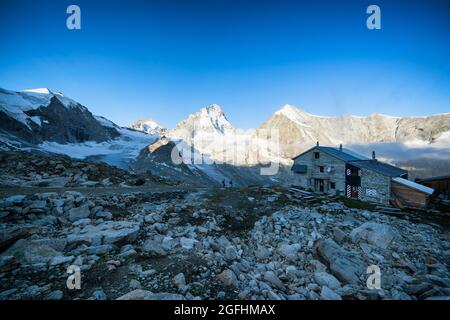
(355, 192)
(319, 185)
(353, 182)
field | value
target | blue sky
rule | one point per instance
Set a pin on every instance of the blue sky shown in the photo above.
(166, 59)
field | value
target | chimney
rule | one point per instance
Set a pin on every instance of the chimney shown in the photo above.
(317, 144)
(373, 156)
(340, 147)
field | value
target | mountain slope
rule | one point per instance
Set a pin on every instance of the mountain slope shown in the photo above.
(42, 121)
(40, 115)
(298, 128)
(210, 150)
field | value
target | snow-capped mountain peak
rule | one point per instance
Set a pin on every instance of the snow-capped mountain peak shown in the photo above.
(148, 126)
(298, 128)
(293, 113)
(287, 109)
(213, 116)
(212, 109)
(209, 120)
(37, 115)
(39, 90)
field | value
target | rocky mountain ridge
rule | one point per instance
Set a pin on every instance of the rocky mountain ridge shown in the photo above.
(298, 128)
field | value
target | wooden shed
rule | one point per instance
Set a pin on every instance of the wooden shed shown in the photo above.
(410, 194)
(440, 184)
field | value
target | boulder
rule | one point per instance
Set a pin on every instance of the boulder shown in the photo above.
(99, 294)
(32, 252)
(7, 263)
(61, 260)
(16, 199)
(108, 232)
(289, 251)
(292, 272)
(328, 294)
(228, 278)
(137, 294)
(262, 253)
(338, 235)
(104, 215)
(9, 235)
(231, 253)
(75, 214)
(164, 296)
(187, 243)
(326, 279)
(272, 279)
(377, 234)
(153, 247)
(343, 264)
(100, 250)
(140, 294)
(135, 284)
(179, 281)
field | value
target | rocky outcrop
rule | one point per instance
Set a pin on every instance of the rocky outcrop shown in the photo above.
(346, 266)
(29, 252)
(379, 235)
(45, 116)
(108, 232)
(23, 169)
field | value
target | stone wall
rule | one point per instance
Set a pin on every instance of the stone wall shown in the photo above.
(375, 187)
(337, 174)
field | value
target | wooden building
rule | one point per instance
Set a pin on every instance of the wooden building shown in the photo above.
(411, 194)
(440, 184)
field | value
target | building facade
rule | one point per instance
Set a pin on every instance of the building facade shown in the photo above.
(339, 171)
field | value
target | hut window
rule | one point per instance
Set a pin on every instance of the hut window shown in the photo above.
(322, 169)
(332, 185)
(316, 155)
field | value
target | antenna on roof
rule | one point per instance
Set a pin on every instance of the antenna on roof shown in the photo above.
(340, 147)
(373, 156)
(317, 144)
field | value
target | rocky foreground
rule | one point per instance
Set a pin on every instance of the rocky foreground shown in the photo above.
(23, 169)
(248, 243)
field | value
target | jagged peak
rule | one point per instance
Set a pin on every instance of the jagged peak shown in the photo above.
(39, 90)
(147, 121)
(148, 125)
(210, 118)
(292, 112)
(289, 108)
(212, 109)
(44, 91)
(213, 112)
